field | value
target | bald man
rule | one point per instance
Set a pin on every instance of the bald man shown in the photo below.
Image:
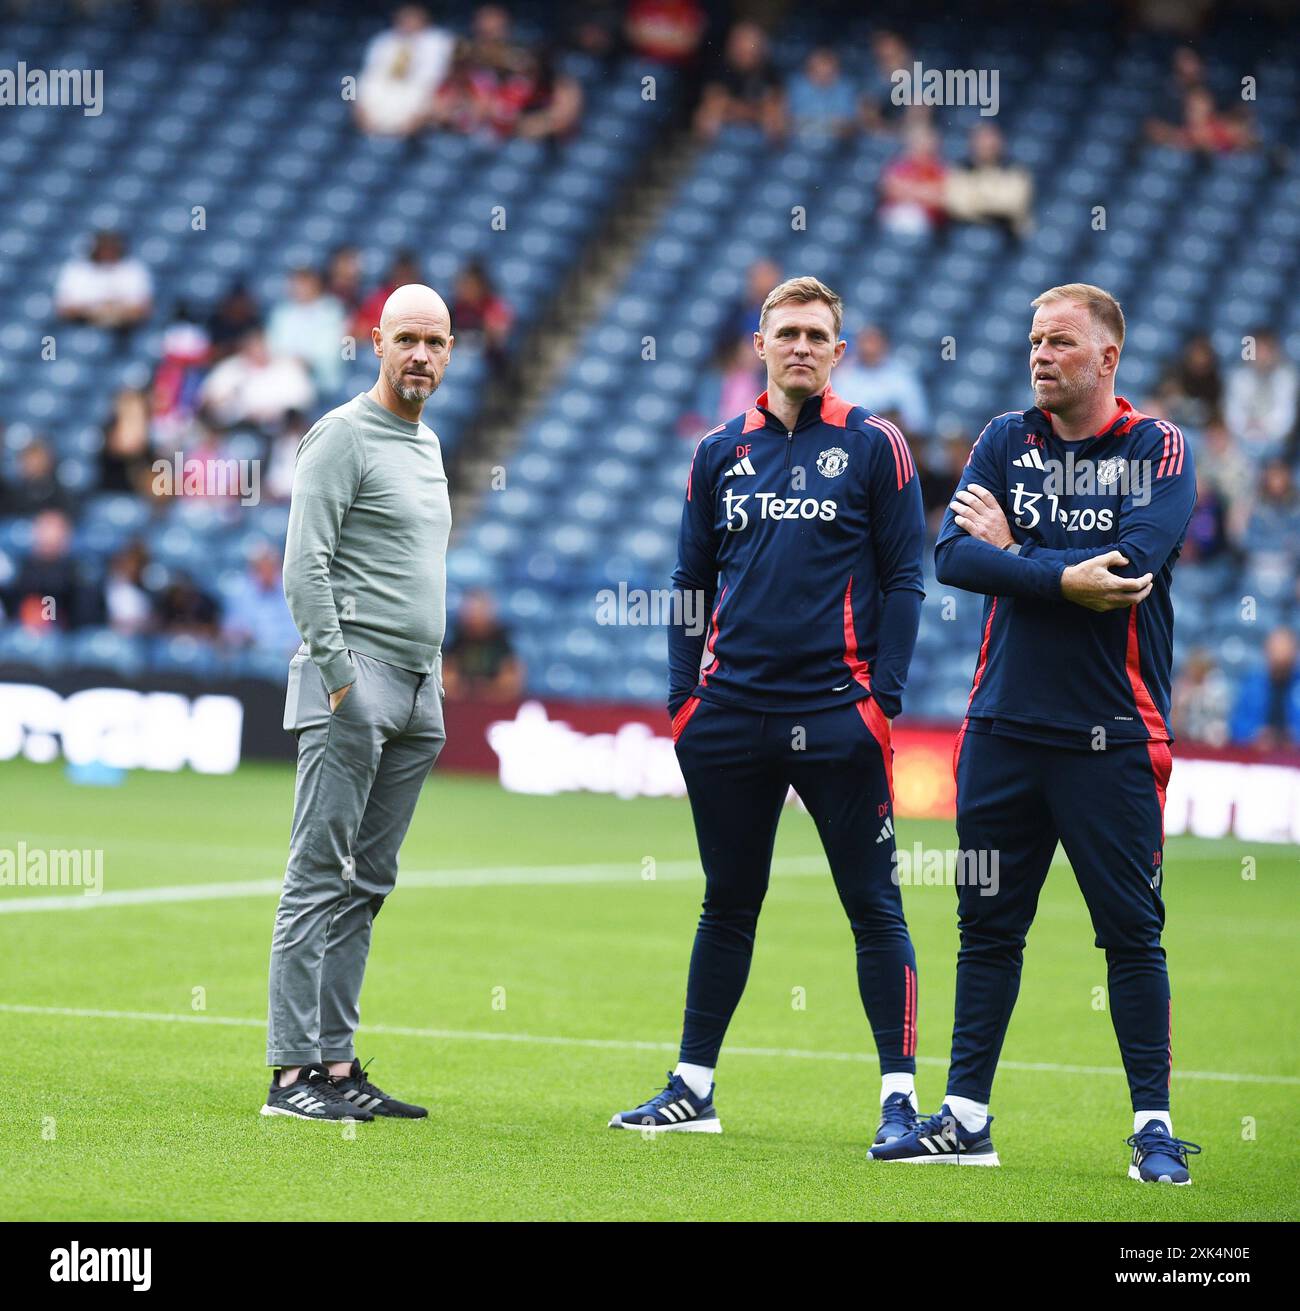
(365, 577)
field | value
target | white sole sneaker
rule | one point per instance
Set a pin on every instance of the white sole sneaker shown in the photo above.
(990, 1159)
(690, 1126)
(1135, 1173)
(298, 1115)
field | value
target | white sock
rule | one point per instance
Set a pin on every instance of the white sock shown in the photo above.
(698, 1078)
(970, 1115)
(896, 1083)
(1142, 1118)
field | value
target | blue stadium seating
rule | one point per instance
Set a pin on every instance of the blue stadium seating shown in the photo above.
(594, 489)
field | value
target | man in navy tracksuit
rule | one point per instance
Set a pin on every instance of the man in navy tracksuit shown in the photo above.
(1069, 518)
(802, 533)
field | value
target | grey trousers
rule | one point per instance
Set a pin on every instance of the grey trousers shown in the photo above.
(360, 770)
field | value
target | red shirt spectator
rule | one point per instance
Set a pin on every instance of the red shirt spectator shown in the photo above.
(912, 186)
(404, 268)
(667, 30)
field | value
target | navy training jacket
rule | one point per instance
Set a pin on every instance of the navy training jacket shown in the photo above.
(1048, 669)
(805, 546)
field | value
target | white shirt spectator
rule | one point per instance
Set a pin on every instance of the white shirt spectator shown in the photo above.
(1259, 401)
(128, 606)
(85, 287)
(253, 386)
(403, 67)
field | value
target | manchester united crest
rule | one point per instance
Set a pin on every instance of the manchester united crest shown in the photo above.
(832, 462)
(1108, 472)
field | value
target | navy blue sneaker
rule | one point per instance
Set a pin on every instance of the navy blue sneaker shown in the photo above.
(897, 1117)
(940, 1140)
(677, 1107)
(1159, 1157)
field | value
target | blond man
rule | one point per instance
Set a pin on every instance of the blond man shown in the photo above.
(802, 535)
(1069, 518)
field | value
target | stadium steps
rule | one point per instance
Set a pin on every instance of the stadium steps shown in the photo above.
(539, 361)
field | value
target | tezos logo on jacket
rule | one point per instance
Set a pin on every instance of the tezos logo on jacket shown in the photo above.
(831, 463)
(772, 506)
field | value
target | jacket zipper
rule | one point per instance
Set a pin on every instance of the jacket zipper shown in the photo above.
(789, 446)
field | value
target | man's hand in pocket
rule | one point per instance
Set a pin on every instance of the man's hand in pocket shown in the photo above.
(336, 698)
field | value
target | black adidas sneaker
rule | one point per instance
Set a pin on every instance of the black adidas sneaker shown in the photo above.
(311, 1096)
(372, 1101)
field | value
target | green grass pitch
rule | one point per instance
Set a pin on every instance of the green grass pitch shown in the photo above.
(525, 1008)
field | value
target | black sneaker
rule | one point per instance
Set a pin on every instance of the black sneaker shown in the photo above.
(372, 1101)
(311, 1096)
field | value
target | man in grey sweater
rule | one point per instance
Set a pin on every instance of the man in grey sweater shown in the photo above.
(366, 581)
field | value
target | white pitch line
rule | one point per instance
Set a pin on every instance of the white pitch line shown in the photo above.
(17, 903)
(504, 876)
(619, 1044)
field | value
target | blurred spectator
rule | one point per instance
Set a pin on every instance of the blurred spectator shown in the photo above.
(1232, 474)
(480, 319)
(236, 313)
(128, 604)
(1203, 127)
(820, 99)
(1187, 73)
(740, 380)
(1273, 531)
(1200, 700)
(1259, 401)
(744, 87)
(1192, 389)
(185, 610)
(913, 186)
(940, 473)
(1267, 711)
(284, 454)
(37, 487)
(126, 458)
(985, 188)
(480, 662)
(761, 277)
(553, 104)
(108, 289)
(491, 80)
(1185, 18)
(310, 326)
(50, 587)
(256, 387)
(595, 35)
(178, 379)
(492, 45)
(343, 278)
(878, 379)
(727, 388)
(880, 111)
(256, 613)
(404, 268)
(1207, 532)
(669, 31)
(404, 67)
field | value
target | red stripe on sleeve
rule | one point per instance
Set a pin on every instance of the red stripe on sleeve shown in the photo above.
(903, 466)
